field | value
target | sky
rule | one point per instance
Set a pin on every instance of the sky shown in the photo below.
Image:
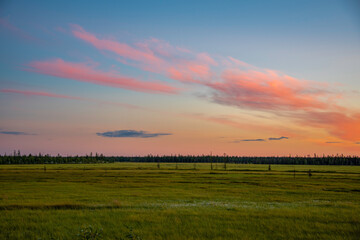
(247, 78)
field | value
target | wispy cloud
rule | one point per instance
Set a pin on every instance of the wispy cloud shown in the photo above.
(42, 94)
(260, 139)
(276, 139)
(121, 49)
(4, 23)
(154, 55)
(343, 125)
(250, 140)
(333, 142)
(229, 81)
(241, 124)
(87, 73)
(266, 90)
(241, 84)
(15, 133)
(131, 134)
(54, 95)
(308, 103)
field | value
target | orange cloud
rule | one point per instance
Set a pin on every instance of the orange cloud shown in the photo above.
(305, 102)
(85, 73)
(342, 125)
(266, 90)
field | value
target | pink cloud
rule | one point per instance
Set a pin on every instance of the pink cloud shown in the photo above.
(191, 72)
(182, 76)
(121, 49)
(267, 90)
(155, 55)
(199, 69)
(159, 47)
(308, 103)
(304, 102)
(206, 59)
(86, 73)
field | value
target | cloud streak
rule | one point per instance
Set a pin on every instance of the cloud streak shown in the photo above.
(15, 133)
(260, 139)
(53, 95)
(250, 140)
(86, 73)
(121, 49)
(232, 122)
(131, 134)
(277, 139)
(154, 55)
(4, 23)
(36, 93)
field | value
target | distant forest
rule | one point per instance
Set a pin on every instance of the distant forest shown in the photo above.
(17, 158)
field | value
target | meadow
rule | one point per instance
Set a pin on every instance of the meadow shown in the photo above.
(179, 201)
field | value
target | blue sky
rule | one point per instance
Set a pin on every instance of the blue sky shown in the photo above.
(315, 42)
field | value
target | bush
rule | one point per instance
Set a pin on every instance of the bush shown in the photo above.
(90, 233)
(130, 235)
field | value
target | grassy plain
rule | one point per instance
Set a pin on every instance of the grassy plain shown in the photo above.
(129, 200)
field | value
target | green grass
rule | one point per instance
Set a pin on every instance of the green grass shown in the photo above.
(243, 202)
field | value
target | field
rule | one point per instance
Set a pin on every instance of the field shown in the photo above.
(179, 201)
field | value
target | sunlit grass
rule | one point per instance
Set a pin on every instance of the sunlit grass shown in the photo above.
(244, 202)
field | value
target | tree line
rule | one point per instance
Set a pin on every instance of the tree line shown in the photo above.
(18, 158)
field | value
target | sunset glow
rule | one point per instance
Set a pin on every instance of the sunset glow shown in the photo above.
(179, 79)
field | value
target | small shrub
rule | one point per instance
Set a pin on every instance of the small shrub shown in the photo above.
(130, 235)
(90, 233)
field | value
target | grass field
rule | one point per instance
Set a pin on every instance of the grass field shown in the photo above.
(140, 201)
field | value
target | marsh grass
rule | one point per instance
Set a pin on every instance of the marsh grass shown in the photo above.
(241, 202)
